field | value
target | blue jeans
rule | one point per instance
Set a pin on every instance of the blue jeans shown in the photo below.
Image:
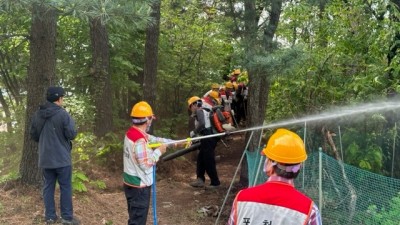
(138, 200)
(63, 176)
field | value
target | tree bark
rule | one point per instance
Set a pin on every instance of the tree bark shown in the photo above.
(151, 55)
(41, 74)
(258, 78)
(100, 71)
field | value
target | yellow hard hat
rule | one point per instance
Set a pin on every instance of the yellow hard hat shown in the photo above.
(214, 94)
(214, 86)
(235, 85)
(236, 71)
(141, 109)
(228, 85)
(192, 100)
(285, 146)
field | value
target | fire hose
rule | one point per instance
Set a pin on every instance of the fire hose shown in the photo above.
(194, 146)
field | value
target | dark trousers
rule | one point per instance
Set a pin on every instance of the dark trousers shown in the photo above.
(240, 108)
(206, 160)
(63, 176)
(138, 200)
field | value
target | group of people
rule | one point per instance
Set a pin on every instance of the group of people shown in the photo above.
(274, 202)
(231, 96)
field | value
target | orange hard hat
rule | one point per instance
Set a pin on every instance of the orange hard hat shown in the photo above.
(228, 84)
(192, 100)
(235, 85)
(141, 109)
(214, 94)
(214, 86)
(285, 146)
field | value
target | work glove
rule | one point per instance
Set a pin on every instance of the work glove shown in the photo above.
(192, 134)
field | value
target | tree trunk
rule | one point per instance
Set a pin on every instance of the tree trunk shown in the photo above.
(151, 55)
(250, 40)
(258, 78)
(100, 71)
(41, 74)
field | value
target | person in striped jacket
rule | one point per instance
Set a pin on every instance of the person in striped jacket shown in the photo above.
(139, 159)
(277, 201)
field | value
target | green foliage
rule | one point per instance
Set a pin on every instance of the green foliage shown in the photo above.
(82, 144)
(10, 153)
(110, 154)
(87, 150)
(9, 177)
(113, 145)
(99, 184)
(106, 152)
(341, 61)
(173, 128)
(195, 51)
(109, 222)
(388, 216)
(78, 181)
(368, 157)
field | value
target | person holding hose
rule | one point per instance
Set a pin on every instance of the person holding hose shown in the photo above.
(206, 157)
(139, 159)
(277, 201)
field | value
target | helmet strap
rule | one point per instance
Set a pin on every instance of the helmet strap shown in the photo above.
(139, 120)
(289, 169)
(149, 121)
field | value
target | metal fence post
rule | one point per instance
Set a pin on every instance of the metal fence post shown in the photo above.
(320, 179)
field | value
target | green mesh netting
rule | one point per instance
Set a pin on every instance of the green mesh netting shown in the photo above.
(349, 195)
(255, 162)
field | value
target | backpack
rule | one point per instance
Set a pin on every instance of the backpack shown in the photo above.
(221, 121)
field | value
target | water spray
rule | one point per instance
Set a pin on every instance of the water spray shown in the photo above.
(339, 112)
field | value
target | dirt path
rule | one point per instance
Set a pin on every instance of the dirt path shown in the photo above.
(183, 204)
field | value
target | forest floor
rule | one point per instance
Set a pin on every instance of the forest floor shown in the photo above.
(177, 202)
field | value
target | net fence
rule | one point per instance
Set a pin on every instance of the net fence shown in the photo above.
(345, 194)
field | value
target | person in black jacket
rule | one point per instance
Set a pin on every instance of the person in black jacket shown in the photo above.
(54, 129)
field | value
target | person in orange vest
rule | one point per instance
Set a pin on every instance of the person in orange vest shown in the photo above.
(206, 157)
(277, 201)
(139, 159)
